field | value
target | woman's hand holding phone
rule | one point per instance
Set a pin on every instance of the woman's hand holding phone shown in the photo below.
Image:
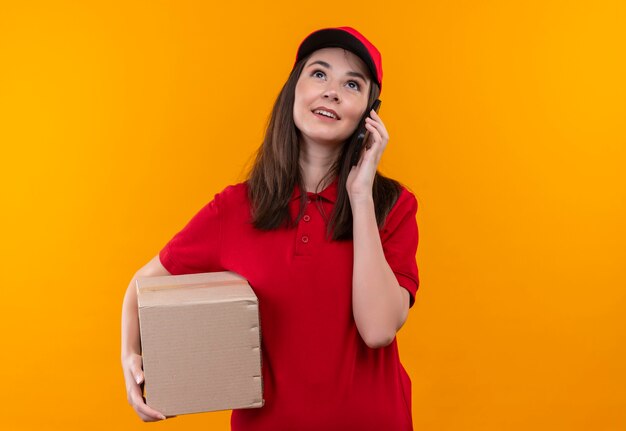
(362, 133)
(361, 178)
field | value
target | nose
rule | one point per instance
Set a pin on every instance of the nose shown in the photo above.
(331, 93)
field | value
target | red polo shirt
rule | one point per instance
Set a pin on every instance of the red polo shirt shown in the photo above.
(318, 374)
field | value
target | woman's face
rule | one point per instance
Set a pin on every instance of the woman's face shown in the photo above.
(331, 96)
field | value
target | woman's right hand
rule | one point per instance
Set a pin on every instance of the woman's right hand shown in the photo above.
(133, 374)
(132, 362)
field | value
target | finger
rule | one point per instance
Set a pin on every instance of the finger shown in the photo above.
(379, 143)
(144, 410)
(136, 369)
(147, 418)
(379, 126)
(374, 136)
(376, 117)
(376, 149)
(138, 375)
(365, 160)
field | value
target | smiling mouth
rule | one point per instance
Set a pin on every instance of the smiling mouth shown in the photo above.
(326, 114)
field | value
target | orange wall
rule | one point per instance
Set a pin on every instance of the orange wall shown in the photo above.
(119, 120)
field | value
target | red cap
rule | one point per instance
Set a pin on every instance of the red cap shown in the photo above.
(348, 38)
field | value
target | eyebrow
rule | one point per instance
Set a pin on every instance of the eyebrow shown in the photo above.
(323, 63)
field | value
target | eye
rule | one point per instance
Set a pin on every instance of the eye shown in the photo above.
(355, 86)
(318, 74)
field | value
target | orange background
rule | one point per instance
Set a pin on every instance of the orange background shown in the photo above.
(119, 120)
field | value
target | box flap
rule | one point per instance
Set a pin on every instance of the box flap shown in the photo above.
(192, 288)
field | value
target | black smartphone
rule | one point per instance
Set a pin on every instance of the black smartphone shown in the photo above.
(362, 133)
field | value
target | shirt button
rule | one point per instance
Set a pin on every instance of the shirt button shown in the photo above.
(306, 217)
(305, 239)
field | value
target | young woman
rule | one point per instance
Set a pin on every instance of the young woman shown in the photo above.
(328, 248)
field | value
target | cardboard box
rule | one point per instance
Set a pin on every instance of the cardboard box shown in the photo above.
(201, 342)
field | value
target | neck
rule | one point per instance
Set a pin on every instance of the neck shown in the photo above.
(315, 162)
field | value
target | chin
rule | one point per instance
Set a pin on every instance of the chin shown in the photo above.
(328, 141)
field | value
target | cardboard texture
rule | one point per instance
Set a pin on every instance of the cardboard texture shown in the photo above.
(201, 342)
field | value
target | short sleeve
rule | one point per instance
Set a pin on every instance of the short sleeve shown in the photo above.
(399, 238)
(196, 248)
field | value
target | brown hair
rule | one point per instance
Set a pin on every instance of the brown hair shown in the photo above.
(276, 171)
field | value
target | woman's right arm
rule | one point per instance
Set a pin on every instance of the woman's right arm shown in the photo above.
(131, 344)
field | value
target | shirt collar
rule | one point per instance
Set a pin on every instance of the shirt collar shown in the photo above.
(329, 193)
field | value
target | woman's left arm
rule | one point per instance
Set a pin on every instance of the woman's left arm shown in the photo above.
(380, 305)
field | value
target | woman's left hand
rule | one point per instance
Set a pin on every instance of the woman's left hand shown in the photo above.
(361, 178)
